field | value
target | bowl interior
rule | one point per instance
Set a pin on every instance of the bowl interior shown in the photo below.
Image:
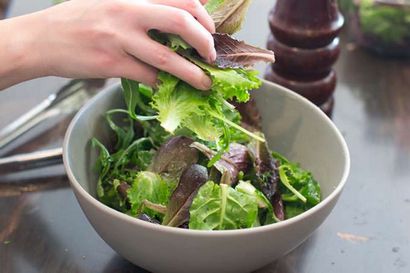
(292, 125)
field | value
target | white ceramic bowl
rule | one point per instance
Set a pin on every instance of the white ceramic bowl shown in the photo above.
(293, 126)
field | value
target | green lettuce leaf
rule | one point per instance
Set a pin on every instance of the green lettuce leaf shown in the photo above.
(220, 207)
(151, 187)
(173, 104)
(246, 187)
(231, 83)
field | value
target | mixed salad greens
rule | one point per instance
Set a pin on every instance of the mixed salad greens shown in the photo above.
(386, 20)
(192, 159)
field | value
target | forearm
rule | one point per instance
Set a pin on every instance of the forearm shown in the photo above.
(19, 57)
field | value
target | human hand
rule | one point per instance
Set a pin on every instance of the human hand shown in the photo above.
(108, 38)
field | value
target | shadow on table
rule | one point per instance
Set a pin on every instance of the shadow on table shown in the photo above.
(119, 265)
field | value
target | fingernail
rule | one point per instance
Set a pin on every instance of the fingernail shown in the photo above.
(206, 82)
(213, 56)
(213, 29)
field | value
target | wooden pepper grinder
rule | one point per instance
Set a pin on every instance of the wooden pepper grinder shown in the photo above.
(304, 39)
(3, 8)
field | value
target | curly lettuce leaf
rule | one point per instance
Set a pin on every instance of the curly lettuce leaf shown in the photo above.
(203, 126)
(231, 83)
(150, 187)
(220, 207)
(174, 105)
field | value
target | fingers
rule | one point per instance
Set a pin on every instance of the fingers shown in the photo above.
(165, 59)
(136, 70)
(177, 21)
(194, 7)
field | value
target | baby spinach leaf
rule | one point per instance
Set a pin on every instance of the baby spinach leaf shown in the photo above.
(219, 207)
(297, 183)
(294, 209)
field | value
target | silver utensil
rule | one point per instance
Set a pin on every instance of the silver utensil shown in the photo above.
(68, 99)
(32, 160)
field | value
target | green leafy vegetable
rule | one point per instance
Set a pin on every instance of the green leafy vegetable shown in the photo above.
(300, 191)
(181, 199)
(132, 95)
(219, 207)
(265, 177)
(158, 135)
(299, 185)
(263, 203)
(151, 187)
(231, 83)
(173, 157)
(389, 23)
(124, 135)
(175, 105)
(102, 165)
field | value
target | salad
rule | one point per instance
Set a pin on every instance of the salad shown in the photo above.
(186, 158)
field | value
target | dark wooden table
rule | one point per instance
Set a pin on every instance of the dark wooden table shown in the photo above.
(42, 228)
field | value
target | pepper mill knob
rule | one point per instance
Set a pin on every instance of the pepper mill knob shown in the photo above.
(304, 39)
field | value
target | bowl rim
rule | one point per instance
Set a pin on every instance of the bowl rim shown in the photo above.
(180, 231)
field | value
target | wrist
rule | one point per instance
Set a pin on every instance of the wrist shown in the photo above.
(19, 52)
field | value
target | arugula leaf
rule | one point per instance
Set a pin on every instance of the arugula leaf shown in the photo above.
(102, 165)
(219, 207)
(151, 187)
(132, 96)
(130, 155)
(124, 135)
